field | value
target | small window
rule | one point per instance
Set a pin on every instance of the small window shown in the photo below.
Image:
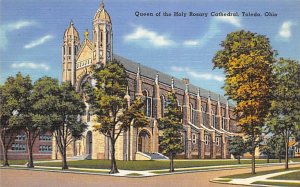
(45, 137)
(206, 139)
(45, 148)
(217, 141)
(223, 123)
(194, 138)
(20, 137)
(18, 147)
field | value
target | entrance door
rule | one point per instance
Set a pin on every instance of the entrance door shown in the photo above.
(89, 143)
(144, 142)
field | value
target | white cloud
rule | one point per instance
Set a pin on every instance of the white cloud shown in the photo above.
(9, 27)
(235, 21)
(213, 30)
(38, 42)
(285, 30)
(30, 65)
(192, 73)
(142, 35)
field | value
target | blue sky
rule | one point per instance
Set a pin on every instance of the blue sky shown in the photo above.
(31, 33)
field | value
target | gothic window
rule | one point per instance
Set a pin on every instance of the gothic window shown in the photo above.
(192, 114)
(206, 139)
(70, 51)
(203, 115)
(163, 105)
(213, 119)
(101, 38)
(148, 101)
(223, 123)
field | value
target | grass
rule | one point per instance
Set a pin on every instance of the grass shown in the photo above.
(277, 183)
(20, 162)
(134, 174)
(247, 175)
(147, 164)
(289, 176)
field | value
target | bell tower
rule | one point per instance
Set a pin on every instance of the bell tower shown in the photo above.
(69, 51)
(102, 36)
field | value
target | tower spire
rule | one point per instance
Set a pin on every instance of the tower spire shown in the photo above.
(101, 5)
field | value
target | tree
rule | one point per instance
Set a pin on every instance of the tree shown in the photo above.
(237, 147)
(171, 126)
(247, 59)
(42, 99)
(14, 104)
(284, 114)
(64, 112)
(114, 116)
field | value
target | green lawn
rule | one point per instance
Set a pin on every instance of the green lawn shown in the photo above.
(18, 162)
(147, 165)
(247, 175)
(289, 176)
(277, 183)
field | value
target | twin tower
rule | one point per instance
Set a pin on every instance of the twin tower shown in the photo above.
(78, 57)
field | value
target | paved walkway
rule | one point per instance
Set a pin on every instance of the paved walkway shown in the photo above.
(265, 178)
(148, 173)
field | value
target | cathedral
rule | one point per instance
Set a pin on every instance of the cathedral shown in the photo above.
(208, 118)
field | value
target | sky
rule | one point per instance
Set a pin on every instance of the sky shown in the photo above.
(31, 33)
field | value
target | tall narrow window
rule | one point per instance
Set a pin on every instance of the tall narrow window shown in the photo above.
(203, 116)
(223, 123)
(213, 119)
(194, 139)
(163, 105)
(148, 101)
(192, 114)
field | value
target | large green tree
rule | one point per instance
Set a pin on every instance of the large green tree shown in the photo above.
(43, 99)
(114, 116)
(171, 126)
(237, 147)
(14, 108)
(285, 108)
(247, 59)
(64, 112)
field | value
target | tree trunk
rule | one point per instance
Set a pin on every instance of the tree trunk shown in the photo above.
(30, 156)
(268, 159)
(113, 166)
(5, 158)
(171, 162)
(253, 155)
(64, 158)
(287, 152)
(239, 159)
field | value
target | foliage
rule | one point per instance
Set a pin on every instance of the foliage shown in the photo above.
(171, 126)
(63, 110)
(14, 109)
(113, 114)
(247, 60)
(284, 116)
(237, 147)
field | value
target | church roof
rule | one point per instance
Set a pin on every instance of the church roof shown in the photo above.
(148, 72)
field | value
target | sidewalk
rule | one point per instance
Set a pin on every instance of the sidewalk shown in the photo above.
(147, 173)
(249, 181)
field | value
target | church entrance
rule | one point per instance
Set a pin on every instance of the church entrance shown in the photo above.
(89, 143)
(144, 142)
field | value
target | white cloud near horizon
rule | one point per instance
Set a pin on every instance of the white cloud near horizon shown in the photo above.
(12, 26)
(198, 75)
(285, 30)
(31, 65)
(38, 41)
(141, 35)
(213, 30)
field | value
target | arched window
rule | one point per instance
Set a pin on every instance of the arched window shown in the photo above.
(213, 119)
(163, 105)
(148, 102)
(203, 115)
(223, 123)
(192, 114)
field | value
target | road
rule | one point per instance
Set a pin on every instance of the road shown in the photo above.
(24, 178)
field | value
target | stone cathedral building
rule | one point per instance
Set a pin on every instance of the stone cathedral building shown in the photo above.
(208, 118)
